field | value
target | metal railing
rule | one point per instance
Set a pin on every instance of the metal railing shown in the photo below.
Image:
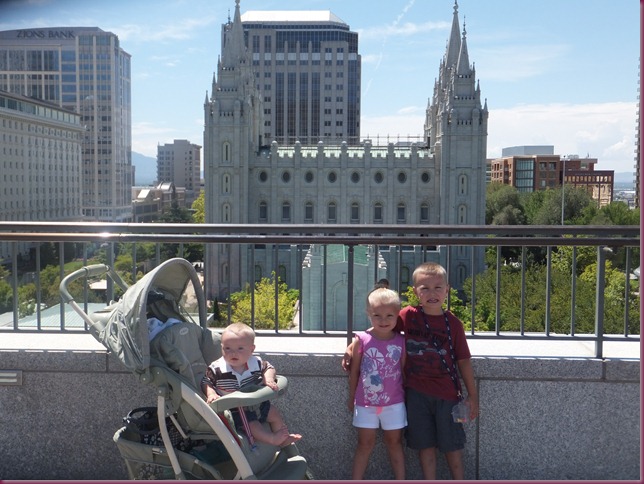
(606, 241)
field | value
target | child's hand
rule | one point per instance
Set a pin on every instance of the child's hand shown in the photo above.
(346, 361)
(473, 402)
(212, 397)
(272, 384)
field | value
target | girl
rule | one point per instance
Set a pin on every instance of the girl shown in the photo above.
(376, 393)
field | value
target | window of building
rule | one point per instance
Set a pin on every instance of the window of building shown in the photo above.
(355, 213)
(462, 214)
(308, 212)
(286, 212)
(263, 212)
(263, 176)
(225, 216)
(402, 177)
(286, 177)
(225, 183)
(424, 213)
(355, 177)
(331, 212)
(332, 177)
(308, 177)
(377, 213)
(401, 215)
(462, 185)
(379, 177)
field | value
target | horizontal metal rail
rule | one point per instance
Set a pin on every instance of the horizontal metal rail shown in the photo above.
(351, 235)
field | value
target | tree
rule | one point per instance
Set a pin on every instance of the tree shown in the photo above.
(264, 305)
(199, 208)
(503, 205)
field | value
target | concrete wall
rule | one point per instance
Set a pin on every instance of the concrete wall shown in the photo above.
(541, 418)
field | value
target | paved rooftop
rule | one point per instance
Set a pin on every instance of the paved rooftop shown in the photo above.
(330, 345)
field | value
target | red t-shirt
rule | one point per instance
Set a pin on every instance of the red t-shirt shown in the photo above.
(424, 370)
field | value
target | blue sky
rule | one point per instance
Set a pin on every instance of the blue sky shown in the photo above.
(555, 72)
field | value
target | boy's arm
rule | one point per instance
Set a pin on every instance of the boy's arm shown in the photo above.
(207, 387)
(354, 371)
(467, 374)
(270, 376)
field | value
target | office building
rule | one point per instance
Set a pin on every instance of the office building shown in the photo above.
(40, 163)
(438, 181)
(179, 162)
(306, 67)
(533, 168)
(81, 69)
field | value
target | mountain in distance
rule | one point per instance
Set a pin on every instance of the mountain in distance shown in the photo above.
(146, 169)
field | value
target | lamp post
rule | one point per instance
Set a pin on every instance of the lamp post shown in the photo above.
(563, 179)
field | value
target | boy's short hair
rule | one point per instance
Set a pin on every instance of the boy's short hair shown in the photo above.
(240, 329)
(429, 269)
(382, 296)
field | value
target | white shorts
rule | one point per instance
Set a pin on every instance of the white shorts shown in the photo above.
(391, 417)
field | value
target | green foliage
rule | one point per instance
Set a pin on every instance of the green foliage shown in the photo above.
(199, 208)
(503, 205)
(561, 300)
(264, 305)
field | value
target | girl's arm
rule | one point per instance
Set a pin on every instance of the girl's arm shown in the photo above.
(354, 371)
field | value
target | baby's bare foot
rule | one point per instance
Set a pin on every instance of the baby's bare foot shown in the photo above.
(279, 436)
(290, 439)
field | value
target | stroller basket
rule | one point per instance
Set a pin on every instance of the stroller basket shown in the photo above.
(151, 461)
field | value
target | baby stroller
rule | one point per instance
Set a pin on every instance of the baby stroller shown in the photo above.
(153, 332)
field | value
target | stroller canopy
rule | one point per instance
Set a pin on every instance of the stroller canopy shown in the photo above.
(163, 293)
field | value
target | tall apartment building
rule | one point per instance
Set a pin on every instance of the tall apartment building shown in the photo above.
(82, 69)
(532, 168)
(40, 163)
(179, 162)
(438, 181)
(307, 69)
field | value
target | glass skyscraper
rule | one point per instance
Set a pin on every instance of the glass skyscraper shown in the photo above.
(307, 67)
(82, 69)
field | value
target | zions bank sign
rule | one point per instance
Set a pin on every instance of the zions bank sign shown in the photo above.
(46, 34)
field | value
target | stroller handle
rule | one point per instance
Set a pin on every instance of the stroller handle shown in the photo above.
(90, 271)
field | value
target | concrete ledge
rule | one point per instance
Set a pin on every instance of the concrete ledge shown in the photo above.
(551, 417)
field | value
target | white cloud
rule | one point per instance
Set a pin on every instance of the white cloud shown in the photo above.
(605, 131)
(178, 30)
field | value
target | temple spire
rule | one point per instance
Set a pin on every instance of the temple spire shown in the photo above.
(463, 66)
(234, 50)
(454, 42)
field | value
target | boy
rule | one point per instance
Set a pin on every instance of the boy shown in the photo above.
(435, 343)
(239, 367)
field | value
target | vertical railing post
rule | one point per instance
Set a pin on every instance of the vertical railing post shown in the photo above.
(548, 288)
(350, 296)
(599, 302)
(61, 272)
(497, 323)
(627, 291)
(523, 286)
(14, 283)
(573, 292)
(473, 298)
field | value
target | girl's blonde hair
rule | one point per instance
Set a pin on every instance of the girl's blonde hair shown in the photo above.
(382, 296)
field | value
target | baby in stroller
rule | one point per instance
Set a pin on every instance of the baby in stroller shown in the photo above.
(238, 369)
